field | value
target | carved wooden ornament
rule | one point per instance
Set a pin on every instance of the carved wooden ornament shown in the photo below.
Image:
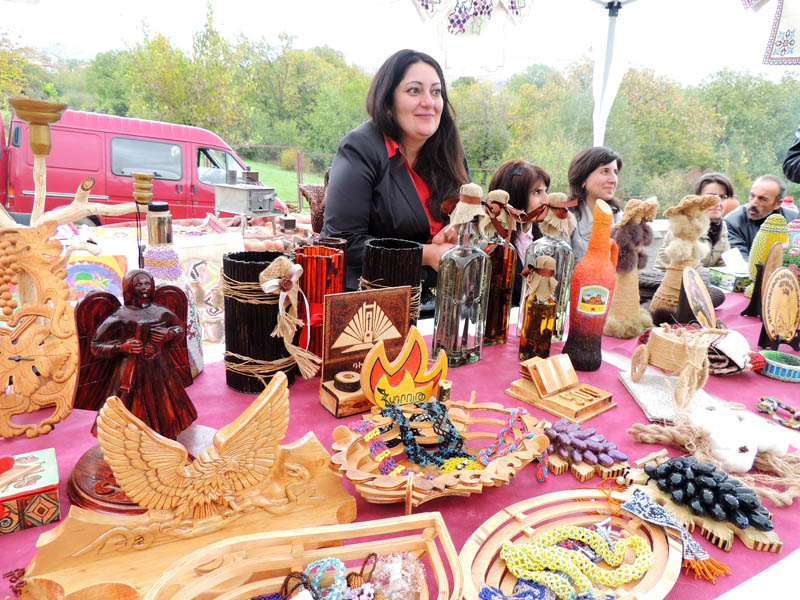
(780, 310)
(246, 482)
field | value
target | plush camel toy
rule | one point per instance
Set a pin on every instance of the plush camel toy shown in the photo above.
(626, 318)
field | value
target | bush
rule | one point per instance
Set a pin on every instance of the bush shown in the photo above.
(287, 159)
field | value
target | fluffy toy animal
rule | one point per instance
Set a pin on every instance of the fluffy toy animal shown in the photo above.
(687, 222)
(626, 318)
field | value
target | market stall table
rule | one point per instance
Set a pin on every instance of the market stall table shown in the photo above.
(217, 405)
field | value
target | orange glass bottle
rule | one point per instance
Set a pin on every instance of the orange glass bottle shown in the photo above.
(590, 293)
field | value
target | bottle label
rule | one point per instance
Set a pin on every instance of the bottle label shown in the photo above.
(593, 299)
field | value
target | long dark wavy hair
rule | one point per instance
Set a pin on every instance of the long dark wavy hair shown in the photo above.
(440, 161)
(582, 165)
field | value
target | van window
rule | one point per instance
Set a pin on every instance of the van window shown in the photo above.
(163, 160)
(212, 164)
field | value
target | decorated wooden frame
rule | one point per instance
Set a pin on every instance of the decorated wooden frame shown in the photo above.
(353, 323)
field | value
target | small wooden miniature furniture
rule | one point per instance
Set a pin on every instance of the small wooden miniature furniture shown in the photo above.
(552, 385)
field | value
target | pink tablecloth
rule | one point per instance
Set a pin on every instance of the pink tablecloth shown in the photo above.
(217, 406)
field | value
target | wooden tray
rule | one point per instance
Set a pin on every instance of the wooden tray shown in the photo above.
(351, 455)
(248, 566)
(521, 522)
(564, 403)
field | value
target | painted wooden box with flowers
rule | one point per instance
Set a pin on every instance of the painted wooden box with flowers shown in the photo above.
(28, 490)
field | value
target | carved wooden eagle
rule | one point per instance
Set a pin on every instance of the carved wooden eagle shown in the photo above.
(155, 473)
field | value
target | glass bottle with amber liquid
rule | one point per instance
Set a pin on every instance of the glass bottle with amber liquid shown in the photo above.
(539, 310)
(462, 295)
(503, 258)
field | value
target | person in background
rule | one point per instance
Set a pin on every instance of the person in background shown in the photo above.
(717, 235)
(527, 186)
(392, 174)
(593, 174)
(744, 222)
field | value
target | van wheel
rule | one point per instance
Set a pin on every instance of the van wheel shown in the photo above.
(91, 221)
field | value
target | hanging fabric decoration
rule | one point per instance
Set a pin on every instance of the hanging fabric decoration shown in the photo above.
(428, 9)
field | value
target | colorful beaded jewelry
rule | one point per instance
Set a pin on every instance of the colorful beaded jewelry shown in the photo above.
(500, 447)
(539, 559)
(315, 571)
(378, 450)
(451, 444)
(460, 464)
(769, 405)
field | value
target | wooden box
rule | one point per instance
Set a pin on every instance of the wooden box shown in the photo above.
(552, 385)
(29, 492)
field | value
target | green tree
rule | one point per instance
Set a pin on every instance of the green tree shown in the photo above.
(109, 81)
(19, 73)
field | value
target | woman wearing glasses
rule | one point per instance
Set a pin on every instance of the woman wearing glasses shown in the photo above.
(716, 237)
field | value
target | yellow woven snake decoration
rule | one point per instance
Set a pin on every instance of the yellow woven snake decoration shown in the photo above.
(539, 559)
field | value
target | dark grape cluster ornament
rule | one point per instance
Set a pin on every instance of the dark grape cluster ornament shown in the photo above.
(574, 443)
(708, 491)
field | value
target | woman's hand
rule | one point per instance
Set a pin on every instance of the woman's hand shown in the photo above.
(432, 254)
(446, 235)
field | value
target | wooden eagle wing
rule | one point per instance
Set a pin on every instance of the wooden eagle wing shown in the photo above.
(251, 442)
(150, 468)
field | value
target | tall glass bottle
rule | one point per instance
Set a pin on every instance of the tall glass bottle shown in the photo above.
(503, 259)
(461, 298)
(539, 310)
(590, 296)
(552, 243)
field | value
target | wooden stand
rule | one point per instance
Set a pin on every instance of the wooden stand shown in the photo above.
(245, 482)
(92, 486)
(523, 521)
(551, 385)
(584, 472)
(753, 308)
(341, 403)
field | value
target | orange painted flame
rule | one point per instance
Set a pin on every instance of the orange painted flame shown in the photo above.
(412, 359)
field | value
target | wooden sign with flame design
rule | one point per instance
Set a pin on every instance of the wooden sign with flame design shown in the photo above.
(406, 380)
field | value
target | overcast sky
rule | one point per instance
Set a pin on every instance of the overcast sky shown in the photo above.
(683, 39)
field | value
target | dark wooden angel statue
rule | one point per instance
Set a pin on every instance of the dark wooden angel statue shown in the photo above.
(136, 352)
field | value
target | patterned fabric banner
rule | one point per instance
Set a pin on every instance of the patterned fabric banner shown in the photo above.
(782, 47)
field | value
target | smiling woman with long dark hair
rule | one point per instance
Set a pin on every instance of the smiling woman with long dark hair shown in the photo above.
(392, 174)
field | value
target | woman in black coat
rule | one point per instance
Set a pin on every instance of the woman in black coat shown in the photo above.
(392, 174)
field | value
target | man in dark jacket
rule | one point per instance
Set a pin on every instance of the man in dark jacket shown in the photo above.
(744, 222)
(791, 164)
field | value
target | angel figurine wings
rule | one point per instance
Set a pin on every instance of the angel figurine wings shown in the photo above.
(137, 352)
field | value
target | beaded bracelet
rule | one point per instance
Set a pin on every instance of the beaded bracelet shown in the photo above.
(378, 450)
(500, 447)
(315, 570)
(770, 405)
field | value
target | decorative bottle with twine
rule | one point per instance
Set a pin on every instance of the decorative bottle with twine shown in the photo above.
(462, 292)
(496, 226)
(590, 293)
(539, 311)
(556, 224)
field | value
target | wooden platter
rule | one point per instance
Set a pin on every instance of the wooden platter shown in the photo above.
(523, 521)
(478, 424)
(780, 312)
(699, 298)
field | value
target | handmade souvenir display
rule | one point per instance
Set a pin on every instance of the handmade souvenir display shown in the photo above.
(791, 253)
(535, 535)
(28, 490)
(386, 455)
(245, 482)
(353, 323)
(137, 352)
(323, 274)
(333, 242)
(655, 395)
(462, 295)
(469, 205)
(392, 263)
(552, 385)
(556, 224)
(539, 309)
(687, 223)
(773, 230)
(626, 318)
(591, 288)
(780, 311)
(496, 226)
(697, 492)
(771, 406)
(583, 451)
(253, 352)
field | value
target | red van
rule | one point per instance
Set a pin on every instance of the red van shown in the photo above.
(187, 162)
